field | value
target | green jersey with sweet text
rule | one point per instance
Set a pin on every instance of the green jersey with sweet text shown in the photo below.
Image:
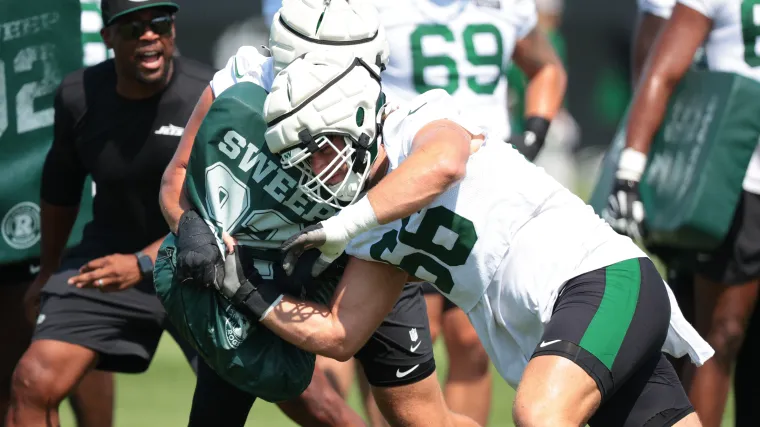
(239, 184)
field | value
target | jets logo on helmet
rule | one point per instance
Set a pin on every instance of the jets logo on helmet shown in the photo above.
(346, 27)
(328, 104)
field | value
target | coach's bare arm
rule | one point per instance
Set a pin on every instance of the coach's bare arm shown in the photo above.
(366, 294)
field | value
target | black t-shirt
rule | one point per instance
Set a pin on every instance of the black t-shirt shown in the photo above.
(125, 145)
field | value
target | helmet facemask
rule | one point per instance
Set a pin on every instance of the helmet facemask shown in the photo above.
(353, 160)
(351, 149)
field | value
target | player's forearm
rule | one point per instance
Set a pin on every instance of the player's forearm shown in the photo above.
(171, 197)
(648, 110)
(411, 187)
(545, 91)
(547, 79)
(438, 160)
(670, 58)
(648, 26)
(311, 327)
(56, 223)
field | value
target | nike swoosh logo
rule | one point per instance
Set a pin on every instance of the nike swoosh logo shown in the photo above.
(400, 374)
(415, 110)
(414, 348)
(34, 269)
(548, 343)
(237, 73)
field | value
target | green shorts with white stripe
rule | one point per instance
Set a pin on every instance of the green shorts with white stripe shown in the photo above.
(612, 322)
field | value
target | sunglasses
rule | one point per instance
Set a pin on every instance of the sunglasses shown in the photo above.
(161, 25)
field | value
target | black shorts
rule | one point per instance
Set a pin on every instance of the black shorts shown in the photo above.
(612, 322)
(122, 327)
(428, 289)
(400, 351)
(19, 272)
(737, 259)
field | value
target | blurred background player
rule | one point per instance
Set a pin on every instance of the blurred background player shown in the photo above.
(726, 282)
(41, 42)
(120, 122)
(653, 14)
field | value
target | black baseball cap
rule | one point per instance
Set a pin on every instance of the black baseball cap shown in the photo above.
(113, 9)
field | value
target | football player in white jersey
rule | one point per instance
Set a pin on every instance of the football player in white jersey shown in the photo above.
(464, 47)
(568, 309)
(727, 280)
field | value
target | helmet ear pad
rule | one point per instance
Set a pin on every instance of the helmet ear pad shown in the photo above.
(349, 28)
(315, 98)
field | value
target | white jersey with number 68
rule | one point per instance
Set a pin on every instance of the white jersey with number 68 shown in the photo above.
(501, 243)
(460, 46)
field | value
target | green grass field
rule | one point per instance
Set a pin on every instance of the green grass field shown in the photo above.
(162, 396)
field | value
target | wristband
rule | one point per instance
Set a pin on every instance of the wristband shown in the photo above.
(539, 127)
(257, 302)
(351, 221)
(631, 165)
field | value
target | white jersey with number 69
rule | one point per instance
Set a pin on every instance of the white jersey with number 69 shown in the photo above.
(460, 46)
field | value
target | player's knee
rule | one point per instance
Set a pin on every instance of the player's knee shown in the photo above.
(527, 414)
(34, 384)
(726, 338)
(536, 414)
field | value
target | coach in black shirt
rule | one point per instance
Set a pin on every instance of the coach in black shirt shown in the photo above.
(120, 122)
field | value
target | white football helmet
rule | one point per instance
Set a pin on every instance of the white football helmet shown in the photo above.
(346, 27)
(315, 99)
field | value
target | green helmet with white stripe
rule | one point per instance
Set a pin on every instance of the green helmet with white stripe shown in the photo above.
(319, 102)
(346, 27)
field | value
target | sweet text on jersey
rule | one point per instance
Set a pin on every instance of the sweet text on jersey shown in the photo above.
(238, 182)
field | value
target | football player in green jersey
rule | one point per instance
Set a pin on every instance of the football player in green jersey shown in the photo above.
(41, 42)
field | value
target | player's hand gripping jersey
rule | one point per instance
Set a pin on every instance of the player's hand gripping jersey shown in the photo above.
(501, 243)
(733, 45)
(460, 46)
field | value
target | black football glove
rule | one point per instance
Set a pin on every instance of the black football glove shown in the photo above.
(198, 256)
(529, 143)
(245, 288)
(624, 210)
